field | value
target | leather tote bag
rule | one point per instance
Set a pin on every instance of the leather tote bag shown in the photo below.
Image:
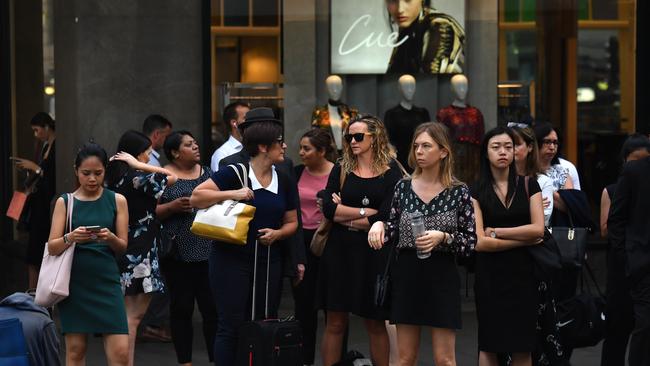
(54, 277)
(226, 221)
(572, 243)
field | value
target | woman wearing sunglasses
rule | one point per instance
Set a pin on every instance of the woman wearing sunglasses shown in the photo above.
(349, 267)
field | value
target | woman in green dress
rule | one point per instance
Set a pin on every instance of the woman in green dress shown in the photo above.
(95, 304)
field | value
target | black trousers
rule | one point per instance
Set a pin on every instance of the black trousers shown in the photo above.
(619, 311)
(231, 280)
(188, 282)
(304, 296)
(640, 340)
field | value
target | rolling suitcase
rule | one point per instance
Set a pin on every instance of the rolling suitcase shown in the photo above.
(269, 342)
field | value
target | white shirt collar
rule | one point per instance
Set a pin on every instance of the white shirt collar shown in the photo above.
(255, 184)
(233, 143)
(155, 153)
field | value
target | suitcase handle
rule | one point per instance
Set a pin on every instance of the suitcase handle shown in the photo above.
(268, 270)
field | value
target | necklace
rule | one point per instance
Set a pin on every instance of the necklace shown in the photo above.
(365, 201)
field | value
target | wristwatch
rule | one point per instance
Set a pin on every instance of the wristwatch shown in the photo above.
(449, 239)
(493, 234)
(362, 212)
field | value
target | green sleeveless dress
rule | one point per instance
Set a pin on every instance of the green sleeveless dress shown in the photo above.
(95, 304)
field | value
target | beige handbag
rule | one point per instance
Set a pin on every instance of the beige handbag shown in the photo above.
(226, 221)
(319, 239)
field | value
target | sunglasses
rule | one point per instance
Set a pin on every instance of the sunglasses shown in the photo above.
(280, 140)
(358, 137)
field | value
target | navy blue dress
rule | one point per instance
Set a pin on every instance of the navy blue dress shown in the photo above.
(231, 266)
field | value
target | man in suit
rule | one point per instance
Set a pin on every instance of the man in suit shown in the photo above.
(293, 247)
(629, 231)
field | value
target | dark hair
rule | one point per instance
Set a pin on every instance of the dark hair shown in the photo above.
(485, 179)
(633, 143)
(541, 131)
(322, 141)
(90, 150)
(230, 113)
(132, 142)
(42, 119)
(154, 122)
(173, 142)
(260, 133)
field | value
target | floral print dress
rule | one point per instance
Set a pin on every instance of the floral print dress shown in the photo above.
(139, 266)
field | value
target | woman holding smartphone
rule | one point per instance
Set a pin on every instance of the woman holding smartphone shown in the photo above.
(95, 304)
(142, 184)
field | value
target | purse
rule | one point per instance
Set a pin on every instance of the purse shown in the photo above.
(226, 221)
(581, 319)
(319, 240)
(17, 205)
(54, 276)
(571, 242)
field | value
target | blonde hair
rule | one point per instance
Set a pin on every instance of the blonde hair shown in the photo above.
(439, 133)
(381, 151)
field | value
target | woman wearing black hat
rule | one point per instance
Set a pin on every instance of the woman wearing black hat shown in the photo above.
(231, 266)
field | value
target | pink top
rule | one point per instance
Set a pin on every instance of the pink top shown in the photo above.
(308, 186)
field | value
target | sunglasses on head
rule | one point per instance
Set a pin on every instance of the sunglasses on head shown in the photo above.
(358, 137)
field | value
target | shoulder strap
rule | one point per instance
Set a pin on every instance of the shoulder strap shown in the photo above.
(243, 177)
(69, 208)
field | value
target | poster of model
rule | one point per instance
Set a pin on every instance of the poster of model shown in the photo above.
(397, 36)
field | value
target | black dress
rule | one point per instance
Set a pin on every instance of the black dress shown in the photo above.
(506, 290)
(427, 291)
(139, 266)
(348, 266)
(38, 204)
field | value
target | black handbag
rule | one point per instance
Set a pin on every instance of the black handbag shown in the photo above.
(572, 243)
(581, 319)
(168, 246)
(547, 259)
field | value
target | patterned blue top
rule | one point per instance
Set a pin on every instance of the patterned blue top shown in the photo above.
(139, 267)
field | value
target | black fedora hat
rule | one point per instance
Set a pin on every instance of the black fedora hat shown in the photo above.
(261, 114)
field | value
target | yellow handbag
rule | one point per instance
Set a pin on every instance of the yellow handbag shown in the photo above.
(226, 221)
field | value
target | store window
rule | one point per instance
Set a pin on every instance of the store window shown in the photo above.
(605, 82)
(246, 57)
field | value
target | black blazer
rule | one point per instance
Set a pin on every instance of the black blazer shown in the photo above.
(629, 221)
(293, 248)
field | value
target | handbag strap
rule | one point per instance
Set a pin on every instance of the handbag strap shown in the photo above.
(69, 212)
(243, 177)
(590, 274)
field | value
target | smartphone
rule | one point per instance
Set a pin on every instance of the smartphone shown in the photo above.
(94, 229)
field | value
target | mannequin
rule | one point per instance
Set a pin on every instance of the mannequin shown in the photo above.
(466, 129)
(402, 119)
(335, 115)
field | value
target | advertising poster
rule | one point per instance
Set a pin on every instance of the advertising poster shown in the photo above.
(397, 36)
